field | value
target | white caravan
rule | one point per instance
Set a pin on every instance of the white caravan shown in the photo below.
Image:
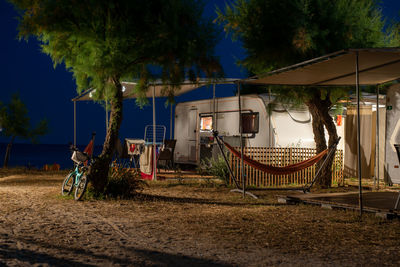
(281, 127)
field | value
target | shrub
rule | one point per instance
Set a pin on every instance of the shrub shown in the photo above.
(123, 182)
(217, 168)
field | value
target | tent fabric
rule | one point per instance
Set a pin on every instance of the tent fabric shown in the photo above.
(274, 169)
(185, 87)
(367, 145)
(376, 66)
(382, 133)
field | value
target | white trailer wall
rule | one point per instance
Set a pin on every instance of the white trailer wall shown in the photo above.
(288, 127)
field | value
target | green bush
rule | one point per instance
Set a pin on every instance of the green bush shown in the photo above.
(123, 182)
(217, 168)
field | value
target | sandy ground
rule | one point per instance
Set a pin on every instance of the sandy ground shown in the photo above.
(182, 225)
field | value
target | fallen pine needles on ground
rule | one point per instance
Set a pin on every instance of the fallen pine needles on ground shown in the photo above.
(202, 223)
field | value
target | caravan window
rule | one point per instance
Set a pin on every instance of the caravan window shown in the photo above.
(250, 123)
(206, 123)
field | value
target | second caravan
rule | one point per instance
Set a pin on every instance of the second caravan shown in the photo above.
(264, 125)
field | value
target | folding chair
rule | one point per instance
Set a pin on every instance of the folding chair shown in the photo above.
(167, 154)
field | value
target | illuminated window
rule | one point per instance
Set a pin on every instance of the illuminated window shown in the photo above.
(206, 123)
(250, 123)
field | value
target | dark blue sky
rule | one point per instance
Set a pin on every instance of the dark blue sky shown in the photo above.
(47, 92)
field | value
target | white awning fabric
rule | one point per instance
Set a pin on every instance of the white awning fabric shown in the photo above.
(376, 66)
(185, 87)
(351, 67)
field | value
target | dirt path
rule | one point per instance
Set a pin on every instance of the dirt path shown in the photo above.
(179, 226)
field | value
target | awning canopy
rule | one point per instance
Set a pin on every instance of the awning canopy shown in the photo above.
(376, 66)
(351, 67)
(185, 87)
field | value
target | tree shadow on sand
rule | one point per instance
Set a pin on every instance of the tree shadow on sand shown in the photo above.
(32, 257)
(137, 257)
(187, 200)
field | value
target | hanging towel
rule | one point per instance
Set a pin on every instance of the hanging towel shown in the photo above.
(146, 160)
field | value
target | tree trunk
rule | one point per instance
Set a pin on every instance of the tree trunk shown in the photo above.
(98, 172)
(319, 110)
(8, 152)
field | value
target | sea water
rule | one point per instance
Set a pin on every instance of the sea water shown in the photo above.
(35, 156)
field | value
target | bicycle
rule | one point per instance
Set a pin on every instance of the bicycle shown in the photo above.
(77, 178)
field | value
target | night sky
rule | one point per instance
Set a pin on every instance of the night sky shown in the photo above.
(47, 92)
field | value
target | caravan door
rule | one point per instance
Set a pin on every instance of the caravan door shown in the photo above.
(192, 135)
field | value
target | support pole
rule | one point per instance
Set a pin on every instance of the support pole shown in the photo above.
(170, 123)
(269, 119)
(154, 135)
(214, 123)
(237, 190)
(328, 156)
(360, 200)
(241, 143)
(215, 134)
(74, 123)
(376, 186)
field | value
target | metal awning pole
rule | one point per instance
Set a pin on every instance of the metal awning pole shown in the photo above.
(378, 139)
(214, 123)
(358, 137)
(241, 142)
(269, 119)
(154, 135)
(74, 123)
(170, 123)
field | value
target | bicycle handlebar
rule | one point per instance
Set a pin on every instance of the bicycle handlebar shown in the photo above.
(73, 148)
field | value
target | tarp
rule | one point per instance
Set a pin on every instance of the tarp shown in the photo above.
(350, 67)
(376, 66)
(367, 147)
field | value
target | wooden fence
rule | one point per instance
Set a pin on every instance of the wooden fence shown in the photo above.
(282, 157)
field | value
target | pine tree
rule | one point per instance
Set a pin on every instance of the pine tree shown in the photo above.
(102, 42)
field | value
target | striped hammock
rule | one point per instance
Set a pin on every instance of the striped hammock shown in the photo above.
(274, 169)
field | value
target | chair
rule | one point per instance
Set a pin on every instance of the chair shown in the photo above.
(167, 154)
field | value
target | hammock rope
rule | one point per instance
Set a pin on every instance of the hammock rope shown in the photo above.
(275, 169)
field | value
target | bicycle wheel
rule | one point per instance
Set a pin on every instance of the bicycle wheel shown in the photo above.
(80, 189)
(68, 184)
